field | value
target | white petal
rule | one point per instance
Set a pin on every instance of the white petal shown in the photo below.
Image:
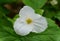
(40, 25)
(21, 28)
(35, 16)
(26, 10)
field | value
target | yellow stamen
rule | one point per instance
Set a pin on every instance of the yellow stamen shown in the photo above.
(29, 21)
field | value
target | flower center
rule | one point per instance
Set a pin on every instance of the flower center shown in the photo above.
(29, 21)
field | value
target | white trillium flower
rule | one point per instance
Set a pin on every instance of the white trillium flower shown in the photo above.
(54, 2)
(29, 21)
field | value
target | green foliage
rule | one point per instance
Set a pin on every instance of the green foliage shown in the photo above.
(7, 1)
(36, 4)
(49, 11)
(14, 19)
(49, 14)
(58, 15)
(3, 10)
(39, 11)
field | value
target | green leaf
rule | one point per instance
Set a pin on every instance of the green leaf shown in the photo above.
(7, 32)
(52, 27)
(49, 11)
(58, 16)
(39, 11)
(3, 10)
(49, 14)
(36, 4)
(14, 19)
(7, 1)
